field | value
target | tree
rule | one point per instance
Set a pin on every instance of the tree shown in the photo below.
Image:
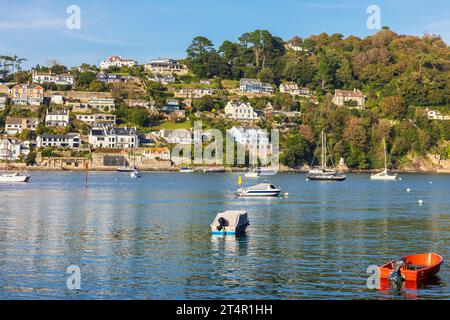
(393, 107)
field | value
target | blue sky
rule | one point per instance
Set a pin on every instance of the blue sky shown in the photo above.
(145, 29)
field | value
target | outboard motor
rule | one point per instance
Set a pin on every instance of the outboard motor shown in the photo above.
(222, 223)
(395, 278)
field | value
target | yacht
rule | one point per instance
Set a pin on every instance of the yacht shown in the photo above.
(384, 175)
(186, 170)
(259, 190)
(322, 172)
(14, 177)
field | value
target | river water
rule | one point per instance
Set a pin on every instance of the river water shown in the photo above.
(150, 238)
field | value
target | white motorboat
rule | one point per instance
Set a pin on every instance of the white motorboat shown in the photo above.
(267, 171)
(14, 177)
(230, 222)
(186, 170)
(384, 175)
(136, 174)
(259, 190)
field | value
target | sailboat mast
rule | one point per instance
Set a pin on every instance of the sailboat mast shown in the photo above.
(385, 154)
(323, 150)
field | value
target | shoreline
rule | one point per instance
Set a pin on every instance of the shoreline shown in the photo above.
(228, 170)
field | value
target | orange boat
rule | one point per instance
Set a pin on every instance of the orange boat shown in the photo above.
(417, 267)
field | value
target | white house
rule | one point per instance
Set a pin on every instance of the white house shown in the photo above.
(66, 141)
(61, 79)
(12, 149)
(57, 99)
(193, 93)
(342, 96)
(57, 118)
(253, 138)
(179, 136)
(17, 125)
(294, 90)
(166, 66)
(156, 153)
(102, 104)
(436, 115)
(255, 86)
(240, 111)
(162, 78)
(115, 138)
(98, 119)
(117, 61)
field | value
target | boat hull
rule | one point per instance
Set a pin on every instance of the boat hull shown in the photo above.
(383, 178)
(258, 193)
(419, 267)
(326, 178)
(15, 179)
(230, 231)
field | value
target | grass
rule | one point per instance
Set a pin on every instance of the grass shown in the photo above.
(173, 126)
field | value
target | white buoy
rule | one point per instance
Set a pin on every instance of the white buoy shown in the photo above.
(420, 202)
(408, 190)
(306, 179)
(400, 179)
(431, 182)
(286, 194)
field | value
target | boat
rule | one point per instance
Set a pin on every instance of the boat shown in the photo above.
(8, 176)
(252, 174)
(126, 169)
(259, 190)
(230, 222)
(136, 174)
(214, 170)
(186, 170)
(416, 267)
(14, 177)
(384, 175)
(266, 171)
(322, 172)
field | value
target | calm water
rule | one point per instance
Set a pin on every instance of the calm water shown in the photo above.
(150, 238)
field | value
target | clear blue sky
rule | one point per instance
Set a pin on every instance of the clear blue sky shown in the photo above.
(145, 29)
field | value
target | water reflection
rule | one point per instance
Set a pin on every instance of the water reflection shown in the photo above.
(150, 238)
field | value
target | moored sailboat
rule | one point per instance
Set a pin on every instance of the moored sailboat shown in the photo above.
(322, 172)
(384, 175)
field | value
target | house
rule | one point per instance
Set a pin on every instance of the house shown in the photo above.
(109, 77)
(17, 125)
(113, 137)
(255, 86)
(57, 99)
(66, 141)
(13, 149)
(293, 89)
(57, 118)
(166, 66)
(3, 100)
(253, 138)
(138, 103)
(342, 96)
(61, 79)
(240, 111)
(205, 81)
(102, 104)
(156, 153)
(172, 111)
(24, 94)
(117, 61)
(77, 107)
(193, 93)
(98, 119)
(162, 78)
(436, 115)
(293, 47)
(179, 136)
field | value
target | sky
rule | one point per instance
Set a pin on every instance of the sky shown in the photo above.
(147, 29)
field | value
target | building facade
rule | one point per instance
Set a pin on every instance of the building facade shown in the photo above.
(98, 119)
(57, 118)
(60, 79)
(166, 66)
(255, 86)
(114, 138)
(240, 111)
(117, 61)
(15, 125)
(67, 141)
(24, 94)
(343, 96)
